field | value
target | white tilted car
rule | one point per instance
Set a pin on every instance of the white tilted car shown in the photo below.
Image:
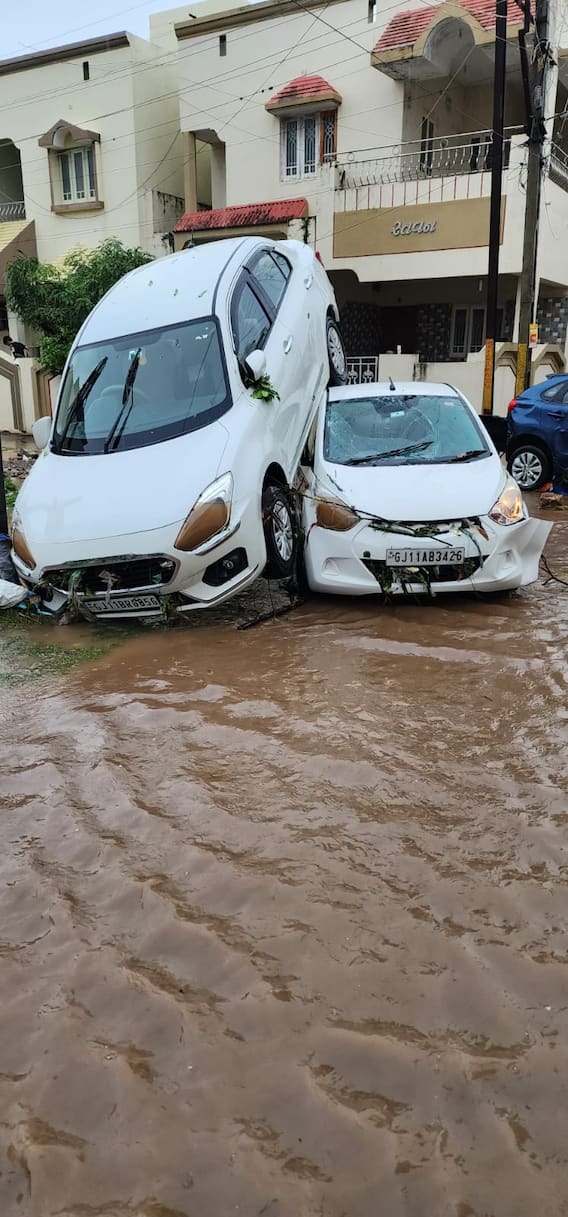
(406, 493)
(183, 411)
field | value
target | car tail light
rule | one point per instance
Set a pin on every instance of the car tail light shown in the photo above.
(511, 405)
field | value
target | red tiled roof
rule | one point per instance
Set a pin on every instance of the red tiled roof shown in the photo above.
(405, 28)
(244, 215)
(304, 89)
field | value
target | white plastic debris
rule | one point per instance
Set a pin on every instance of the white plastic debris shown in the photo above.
(11, 594)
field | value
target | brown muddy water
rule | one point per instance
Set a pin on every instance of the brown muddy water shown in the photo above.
(283, 918)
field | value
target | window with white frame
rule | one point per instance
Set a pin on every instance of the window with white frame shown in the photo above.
(308, 142)
(468, 330)
(76, 174)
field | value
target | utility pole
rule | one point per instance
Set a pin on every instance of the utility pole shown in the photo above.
(495, 208)
(534, 73)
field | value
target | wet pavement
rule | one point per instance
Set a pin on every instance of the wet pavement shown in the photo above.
(283, 918)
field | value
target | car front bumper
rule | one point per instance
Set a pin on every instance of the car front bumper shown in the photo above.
(354, 563)
(143, 575)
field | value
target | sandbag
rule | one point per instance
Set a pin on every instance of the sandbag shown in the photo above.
(11, 594)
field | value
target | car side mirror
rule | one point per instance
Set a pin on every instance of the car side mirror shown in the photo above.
(256, 365)
(41, 431)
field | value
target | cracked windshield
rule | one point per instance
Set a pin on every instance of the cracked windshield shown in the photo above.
(368, 430)
(284, 609)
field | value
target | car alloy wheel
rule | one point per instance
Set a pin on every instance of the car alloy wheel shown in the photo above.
(279, 532)
(529, 468)
(336, 354)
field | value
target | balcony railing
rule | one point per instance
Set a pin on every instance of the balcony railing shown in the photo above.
(362, 369)
(432, 158)
(558, 166)
(12, 211)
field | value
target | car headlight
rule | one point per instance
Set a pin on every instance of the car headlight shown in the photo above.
(336, 516)
(22, 549)
(208, 516)
(509, 508)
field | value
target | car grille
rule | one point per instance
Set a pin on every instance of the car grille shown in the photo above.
(114, 575)
(444, 573)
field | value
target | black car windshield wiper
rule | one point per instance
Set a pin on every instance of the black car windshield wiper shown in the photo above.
(379, 456)
(465, 456)
(79, 400)
(121, 419)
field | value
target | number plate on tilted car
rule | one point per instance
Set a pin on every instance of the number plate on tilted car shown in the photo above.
(431, 556)
(122, 604)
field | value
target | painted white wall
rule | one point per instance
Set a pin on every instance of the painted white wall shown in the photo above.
(6, 412)
(158, 151)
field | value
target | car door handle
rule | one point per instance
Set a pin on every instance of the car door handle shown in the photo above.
(556, 414)
(308, 281)
(288, 342)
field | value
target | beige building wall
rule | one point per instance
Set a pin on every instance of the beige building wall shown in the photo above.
(228, 95)
(229, 92)
(130, 101)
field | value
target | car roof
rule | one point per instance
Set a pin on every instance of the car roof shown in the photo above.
(168, 291)
(382, 388)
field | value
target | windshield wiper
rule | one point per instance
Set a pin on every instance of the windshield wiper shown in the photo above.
(465, 456)
(379, 456)
(80, 399)
(123, 415)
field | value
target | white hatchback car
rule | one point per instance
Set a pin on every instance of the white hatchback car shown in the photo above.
(183, 411)
(406, 493)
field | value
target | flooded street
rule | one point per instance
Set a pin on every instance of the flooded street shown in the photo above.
(283, 918)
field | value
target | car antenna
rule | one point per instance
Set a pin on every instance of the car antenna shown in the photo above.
(392, 385)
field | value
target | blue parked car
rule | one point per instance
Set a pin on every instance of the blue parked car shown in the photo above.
(537, 434)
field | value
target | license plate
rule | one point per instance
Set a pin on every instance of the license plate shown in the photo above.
(122, 604)
(431, 555)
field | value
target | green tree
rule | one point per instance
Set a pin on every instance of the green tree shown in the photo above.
(56, 300)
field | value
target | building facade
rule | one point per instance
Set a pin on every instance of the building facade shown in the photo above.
(89, 148)
(374, 129)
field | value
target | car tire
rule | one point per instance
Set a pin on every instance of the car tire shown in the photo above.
(336, 353)
(530, 466)
(279, 532)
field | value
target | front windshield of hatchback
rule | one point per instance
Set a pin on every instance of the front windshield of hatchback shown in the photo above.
(397, 429)
(142, 389)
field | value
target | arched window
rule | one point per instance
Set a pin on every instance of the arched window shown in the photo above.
(73, 175)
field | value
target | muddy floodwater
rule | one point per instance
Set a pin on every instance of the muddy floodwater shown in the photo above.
(283, 917)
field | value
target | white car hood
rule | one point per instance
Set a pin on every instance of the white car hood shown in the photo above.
(83, 498)
(419, 492)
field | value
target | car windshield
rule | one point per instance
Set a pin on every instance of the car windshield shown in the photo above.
(405, 428)
(141, 389)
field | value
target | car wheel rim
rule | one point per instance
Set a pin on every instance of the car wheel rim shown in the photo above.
(526, 468)
(282, 531)
(336, 352)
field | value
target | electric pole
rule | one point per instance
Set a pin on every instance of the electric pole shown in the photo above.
(495, 208)
(534, 71)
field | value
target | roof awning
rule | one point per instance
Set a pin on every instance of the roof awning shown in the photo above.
(302, 94)
(438, 40)
(223, 220)
(16, 237)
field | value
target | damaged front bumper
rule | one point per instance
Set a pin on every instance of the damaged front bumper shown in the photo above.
(493, 557)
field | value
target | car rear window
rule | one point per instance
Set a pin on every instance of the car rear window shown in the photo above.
(272, 271)
(402, 428)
